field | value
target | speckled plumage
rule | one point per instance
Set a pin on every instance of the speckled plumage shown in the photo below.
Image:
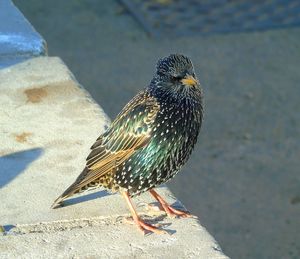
(151, 138)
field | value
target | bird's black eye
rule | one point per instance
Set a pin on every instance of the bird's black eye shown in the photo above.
(176, 78)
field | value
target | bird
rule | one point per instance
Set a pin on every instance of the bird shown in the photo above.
(149, 140)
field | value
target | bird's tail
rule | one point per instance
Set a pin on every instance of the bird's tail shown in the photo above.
(57, 203)
(67, 193)
(74, 188)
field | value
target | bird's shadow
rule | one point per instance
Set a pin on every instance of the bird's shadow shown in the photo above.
(176, 205)
(158, 220)
(14, 164)
(87, 197)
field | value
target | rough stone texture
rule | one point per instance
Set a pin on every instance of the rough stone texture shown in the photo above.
(113, 241)
(18, 39)
(47, 124)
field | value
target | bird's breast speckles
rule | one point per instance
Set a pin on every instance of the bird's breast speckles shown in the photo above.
(173, 136)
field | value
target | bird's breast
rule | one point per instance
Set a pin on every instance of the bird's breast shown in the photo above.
(173, 136)
(175, 132)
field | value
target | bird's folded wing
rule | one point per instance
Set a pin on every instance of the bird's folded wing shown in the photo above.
(129, 132)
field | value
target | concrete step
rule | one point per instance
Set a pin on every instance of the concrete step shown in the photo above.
(47, 123)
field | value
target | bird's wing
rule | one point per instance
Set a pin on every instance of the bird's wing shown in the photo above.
(129, 132)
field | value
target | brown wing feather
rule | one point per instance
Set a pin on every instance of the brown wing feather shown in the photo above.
(129, 132)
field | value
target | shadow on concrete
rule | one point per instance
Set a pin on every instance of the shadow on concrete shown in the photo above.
(7, 228)
(86, 197)
(158, 220)
(9, 61)
(14, 164)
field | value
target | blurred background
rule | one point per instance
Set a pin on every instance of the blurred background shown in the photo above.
(243, 179)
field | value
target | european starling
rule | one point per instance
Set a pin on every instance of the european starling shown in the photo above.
(149, 141)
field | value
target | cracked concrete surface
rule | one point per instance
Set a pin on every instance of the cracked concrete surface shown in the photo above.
(113, 240)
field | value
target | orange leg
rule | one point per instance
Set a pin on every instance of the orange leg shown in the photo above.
(144, 227)
(168, 208)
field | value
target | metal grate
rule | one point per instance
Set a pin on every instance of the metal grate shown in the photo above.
(194, 17)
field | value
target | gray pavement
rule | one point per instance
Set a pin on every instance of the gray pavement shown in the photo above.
(18, 39)
(243, 178)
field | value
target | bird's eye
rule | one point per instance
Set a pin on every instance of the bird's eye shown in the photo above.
(176, 78)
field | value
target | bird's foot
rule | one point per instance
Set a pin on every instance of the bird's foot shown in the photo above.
(173, 213)
(144, 227)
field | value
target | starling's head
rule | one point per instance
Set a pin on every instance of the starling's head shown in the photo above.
(176, 71)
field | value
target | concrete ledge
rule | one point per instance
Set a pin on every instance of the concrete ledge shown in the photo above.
(18, 39)
(47, 124)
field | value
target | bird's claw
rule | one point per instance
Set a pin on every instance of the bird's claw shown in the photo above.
(174, 213)
(145, 227)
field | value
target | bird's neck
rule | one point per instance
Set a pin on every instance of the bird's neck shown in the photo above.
(179, 97)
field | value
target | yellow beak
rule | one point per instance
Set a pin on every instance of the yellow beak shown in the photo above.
(189, 81)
